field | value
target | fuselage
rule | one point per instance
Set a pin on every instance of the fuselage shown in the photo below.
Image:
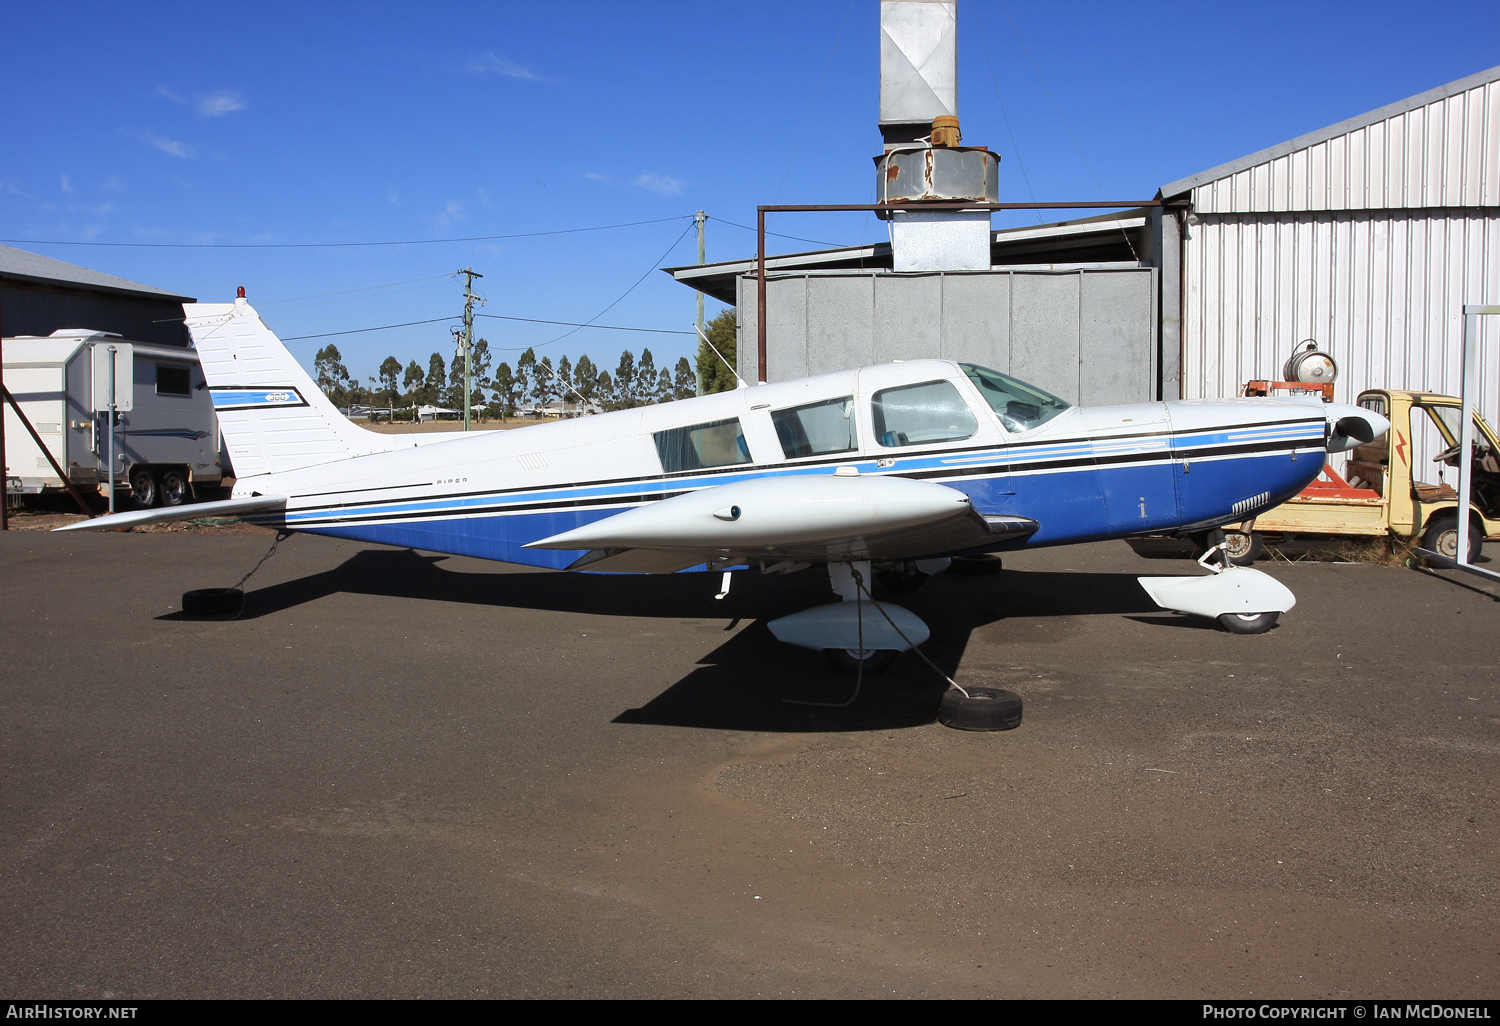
(1083, 473)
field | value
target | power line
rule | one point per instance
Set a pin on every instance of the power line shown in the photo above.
(974, 10)
(336, 245)
(580, 324)
(367, 288)
(813, 106)
(356, 331)
(1089, 167)
(794, 238)
(607, 309)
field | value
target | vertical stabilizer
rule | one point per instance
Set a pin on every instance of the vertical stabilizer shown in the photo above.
(273, 417)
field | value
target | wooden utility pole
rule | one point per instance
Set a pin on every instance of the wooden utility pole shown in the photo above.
(468, 340)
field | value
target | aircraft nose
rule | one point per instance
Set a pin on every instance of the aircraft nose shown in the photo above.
(1350, 426)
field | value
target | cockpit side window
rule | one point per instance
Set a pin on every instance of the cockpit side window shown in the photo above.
(719, 443)
(817, 429)
(932, 411)
(1019, 406)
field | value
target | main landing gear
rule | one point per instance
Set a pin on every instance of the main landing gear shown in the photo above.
(862, 636)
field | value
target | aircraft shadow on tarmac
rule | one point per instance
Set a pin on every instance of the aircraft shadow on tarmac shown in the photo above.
(745, 683)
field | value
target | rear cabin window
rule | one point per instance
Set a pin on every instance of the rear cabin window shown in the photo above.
(920, 414)
(719, 443)
(172, 380)
(817, 429)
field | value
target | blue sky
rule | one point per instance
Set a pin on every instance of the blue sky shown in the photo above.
(331, 123)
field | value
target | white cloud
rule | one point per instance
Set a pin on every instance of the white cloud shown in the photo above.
(171, 147)
(217, 104)
(393, 197)
(657, 183)
(67, 187)
(113, 184)
(484, 200)
(208, 105)
(491, 63)
(595, 177)
(454, 211)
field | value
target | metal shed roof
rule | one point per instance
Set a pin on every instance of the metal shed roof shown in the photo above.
(1043, 245)
(19, 265)
(1332, 132)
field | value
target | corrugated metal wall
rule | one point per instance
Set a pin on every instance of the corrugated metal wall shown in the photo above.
(1370, 242)
(1088, 336)
(1442, 154)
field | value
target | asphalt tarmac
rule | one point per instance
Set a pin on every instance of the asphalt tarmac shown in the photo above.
(405, 775)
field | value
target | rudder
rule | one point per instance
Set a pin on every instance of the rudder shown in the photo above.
(273, 417)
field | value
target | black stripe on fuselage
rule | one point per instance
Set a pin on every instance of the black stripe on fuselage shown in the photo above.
(836, 460)
(972, 471)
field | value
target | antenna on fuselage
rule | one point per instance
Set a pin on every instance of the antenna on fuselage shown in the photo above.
(739, 381)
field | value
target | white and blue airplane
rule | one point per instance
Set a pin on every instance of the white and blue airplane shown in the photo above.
(896, 468)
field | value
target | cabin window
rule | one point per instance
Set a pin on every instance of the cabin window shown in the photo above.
(817, 429)
(719, 443)
(918, 414)
(1019, 406)
(172, 380)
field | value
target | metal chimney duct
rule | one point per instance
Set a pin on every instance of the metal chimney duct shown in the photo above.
(918, 66)
(923, 161)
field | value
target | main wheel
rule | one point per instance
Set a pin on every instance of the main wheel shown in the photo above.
(1248, 623)
(1441, 537)
(983, 709)
(213, 601)
(907, 578)
(986, 565)
(877, 660)
(143, 488)
(175, 489)
(1244, 547)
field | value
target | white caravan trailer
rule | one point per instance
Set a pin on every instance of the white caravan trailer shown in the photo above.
(165, 446)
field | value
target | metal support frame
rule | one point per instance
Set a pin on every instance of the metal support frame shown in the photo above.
(888, 208)
(1469, 388)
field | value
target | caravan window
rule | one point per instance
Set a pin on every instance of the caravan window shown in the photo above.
(172, 380)
(919, 414)
(817, 429)
(719, 443)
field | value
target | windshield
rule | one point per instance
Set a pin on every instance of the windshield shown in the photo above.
(1019, 406)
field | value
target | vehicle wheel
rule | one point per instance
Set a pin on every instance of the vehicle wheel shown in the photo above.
(175, 489)
(143, 488)
(1248, 623)
(213, 601)
(877, 660)
(1244, 548)
(986, 565)
(907, 578)
(984, 709)
(1441, 537)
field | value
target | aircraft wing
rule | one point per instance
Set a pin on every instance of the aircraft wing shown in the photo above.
(141, 517)
(813, 518)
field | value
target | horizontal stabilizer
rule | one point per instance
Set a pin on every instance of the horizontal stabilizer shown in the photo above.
(142, 517)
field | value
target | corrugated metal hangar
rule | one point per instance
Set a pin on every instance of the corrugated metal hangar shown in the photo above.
(39, 295)
(1368, 237)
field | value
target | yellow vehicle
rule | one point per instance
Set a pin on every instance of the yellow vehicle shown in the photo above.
(1384, 493)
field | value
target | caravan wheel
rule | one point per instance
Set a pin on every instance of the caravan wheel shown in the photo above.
(143, 487)
(175, 489)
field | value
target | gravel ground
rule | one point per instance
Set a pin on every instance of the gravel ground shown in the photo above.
(399, 775)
